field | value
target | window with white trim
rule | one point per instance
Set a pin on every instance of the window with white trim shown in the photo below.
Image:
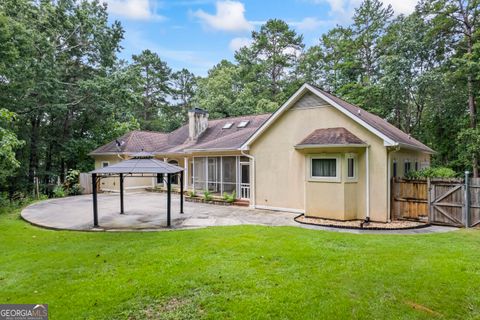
(351, 166)
(325, 167)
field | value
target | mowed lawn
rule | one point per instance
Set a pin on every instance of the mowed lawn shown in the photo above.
(240, 273)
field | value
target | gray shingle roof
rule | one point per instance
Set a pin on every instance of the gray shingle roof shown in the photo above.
(331, 136)
(214, 137)
(378, 123)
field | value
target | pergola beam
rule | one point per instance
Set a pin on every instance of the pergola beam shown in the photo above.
(169, 199)
(95, 204)
(121, 194)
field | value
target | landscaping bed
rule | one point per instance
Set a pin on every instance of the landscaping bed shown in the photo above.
(357, 224)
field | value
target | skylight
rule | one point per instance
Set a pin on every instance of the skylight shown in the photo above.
(228, 125)
(243, 124)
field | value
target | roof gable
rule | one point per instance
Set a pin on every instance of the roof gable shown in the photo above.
(390, 135)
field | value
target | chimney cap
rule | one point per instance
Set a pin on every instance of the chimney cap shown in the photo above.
(198, 110)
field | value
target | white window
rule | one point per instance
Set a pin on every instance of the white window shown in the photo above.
(325, 168)
(243, 124)
(351, 167)
(105, 164)
(228, 125)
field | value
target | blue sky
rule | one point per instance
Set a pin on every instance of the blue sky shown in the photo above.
(197, 34)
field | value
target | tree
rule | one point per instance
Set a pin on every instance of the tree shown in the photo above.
(274, 53)
(184, 85)
(154, 84)
(9, 143)
(460, 19)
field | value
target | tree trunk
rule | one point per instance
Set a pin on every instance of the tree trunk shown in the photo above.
(33, 158)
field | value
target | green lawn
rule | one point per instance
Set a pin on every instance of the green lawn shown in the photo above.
(240, 272)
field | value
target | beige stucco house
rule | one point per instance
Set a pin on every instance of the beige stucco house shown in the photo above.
(316, 155)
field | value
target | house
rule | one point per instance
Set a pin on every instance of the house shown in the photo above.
(316, 155)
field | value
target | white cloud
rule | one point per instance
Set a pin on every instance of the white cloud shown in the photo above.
(308, 23)
(344, 9)
(229, 17)
(237, 43)
(134, 9)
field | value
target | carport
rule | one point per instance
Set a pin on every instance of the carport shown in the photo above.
(142, 164)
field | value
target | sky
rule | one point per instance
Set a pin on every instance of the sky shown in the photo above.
(197, 34)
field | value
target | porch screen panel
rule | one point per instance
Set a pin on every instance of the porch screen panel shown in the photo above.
(214, 174)
(324, 167)
(200, 174)
(229, 171)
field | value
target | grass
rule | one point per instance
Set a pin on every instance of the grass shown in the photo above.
(240, 273)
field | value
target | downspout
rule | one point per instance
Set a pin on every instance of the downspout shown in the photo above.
(252, 180)
(367, 187)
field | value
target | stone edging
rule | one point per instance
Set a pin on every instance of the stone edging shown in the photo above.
(357, 228)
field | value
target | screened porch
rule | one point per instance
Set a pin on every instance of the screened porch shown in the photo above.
(222, 174)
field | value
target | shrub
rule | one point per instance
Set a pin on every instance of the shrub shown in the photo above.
(59, 192)
(192, 194)
(438, 172)
(230, 198)
(75, 190)
(207, 195)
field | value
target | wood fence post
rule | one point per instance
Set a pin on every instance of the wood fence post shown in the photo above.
(466, 207)
(429, 200)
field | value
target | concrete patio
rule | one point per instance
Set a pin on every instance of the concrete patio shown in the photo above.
(147, 211)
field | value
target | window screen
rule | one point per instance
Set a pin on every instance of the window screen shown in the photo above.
(324, 167)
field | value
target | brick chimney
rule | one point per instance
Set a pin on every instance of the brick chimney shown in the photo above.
(197, 122)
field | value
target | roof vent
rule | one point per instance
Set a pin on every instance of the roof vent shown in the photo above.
(228, 125)
(359, 112)
(243, 124)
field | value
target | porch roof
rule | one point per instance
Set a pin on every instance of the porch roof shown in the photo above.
(331, 137)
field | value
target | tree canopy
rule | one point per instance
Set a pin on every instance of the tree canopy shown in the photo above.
(64, 91)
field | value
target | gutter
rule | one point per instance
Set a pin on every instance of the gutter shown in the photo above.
(252, 184)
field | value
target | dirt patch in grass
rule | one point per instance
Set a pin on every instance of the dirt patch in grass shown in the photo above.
(417, 306)
(357, 224)
(174, 308)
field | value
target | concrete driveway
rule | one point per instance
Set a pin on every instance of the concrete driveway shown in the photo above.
(147, 211)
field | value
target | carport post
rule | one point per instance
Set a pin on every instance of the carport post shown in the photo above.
(181, 191)
(95, 206)
(121, 193)
(169, 198)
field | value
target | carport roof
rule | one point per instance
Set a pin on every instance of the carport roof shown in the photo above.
(139, 165)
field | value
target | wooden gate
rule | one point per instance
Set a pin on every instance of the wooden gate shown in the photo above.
(446, 203)
(474, 201)
(409, 199)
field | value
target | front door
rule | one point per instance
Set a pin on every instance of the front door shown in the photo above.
(244, 180)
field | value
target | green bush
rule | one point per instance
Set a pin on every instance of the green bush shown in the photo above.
(75, 190)
(192, 194)
(207, 195)
(230, 198)
(438, 172)
(59, 192)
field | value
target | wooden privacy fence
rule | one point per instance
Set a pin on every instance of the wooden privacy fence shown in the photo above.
(454, 202)
(85, 180)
